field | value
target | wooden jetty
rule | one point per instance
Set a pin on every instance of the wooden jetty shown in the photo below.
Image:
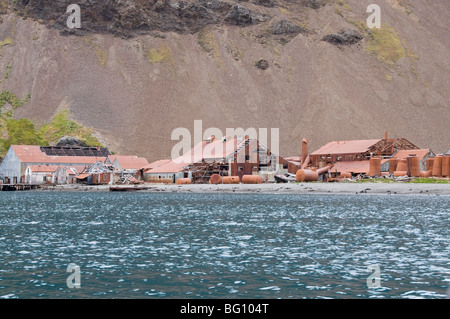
(18, 187)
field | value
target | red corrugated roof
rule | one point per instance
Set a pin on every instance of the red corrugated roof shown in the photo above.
(129, 161)
(170, 167)
(355, 167)
(345, 147)
(156, 164)
(403, 154)
(43, 168)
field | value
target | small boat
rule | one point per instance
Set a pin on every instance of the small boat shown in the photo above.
(285, 178)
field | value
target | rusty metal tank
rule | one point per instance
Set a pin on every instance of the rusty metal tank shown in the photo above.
(425, 173)
(215, 179)
(446, 166)
(252, 179)
(306, 175)
(437, 166)
(413, 162)
(429, 164)
(393, 165)
(182, 181)
(374, 166)
(402, 166)
(400, 173)
(231, 180)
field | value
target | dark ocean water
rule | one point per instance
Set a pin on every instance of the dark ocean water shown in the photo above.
(146, 245)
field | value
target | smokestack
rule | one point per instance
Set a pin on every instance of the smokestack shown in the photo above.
(386, 135)
(304, 149)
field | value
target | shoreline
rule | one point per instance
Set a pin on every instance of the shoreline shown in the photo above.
(397, 188)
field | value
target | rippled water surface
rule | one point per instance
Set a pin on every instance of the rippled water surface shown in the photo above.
(147, 245)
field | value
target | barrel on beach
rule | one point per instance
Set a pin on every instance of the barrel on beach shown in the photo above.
(252, 179)
(306, 175)
(215, 179)
(182, 181)
(231, 180)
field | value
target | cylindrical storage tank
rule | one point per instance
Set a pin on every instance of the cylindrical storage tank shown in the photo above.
(252, 179)
(400, 173)
(393, 165)
(437, 166)
(430, 164)
(413, 166)
(184, 181)
(446, 166)
(402, 166)
(215, 179)
(425, 174)
(375, 166)
(306, 175)
(231, 180)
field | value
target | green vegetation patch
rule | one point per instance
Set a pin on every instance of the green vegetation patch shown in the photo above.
(386, 45)
(7, 41)
(161, 54)
(375, 180)
(8, 98)
(62, 125)
(21, 132)
(425, 180)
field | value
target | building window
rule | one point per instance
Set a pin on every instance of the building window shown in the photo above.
(285, 166)
(241, 168)
(247, 157)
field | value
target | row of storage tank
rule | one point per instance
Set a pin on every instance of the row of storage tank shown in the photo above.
(217, 179)
(438, 166)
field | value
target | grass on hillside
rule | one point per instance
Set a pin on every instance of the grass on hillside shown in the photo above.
(62, 125)
(386, 44)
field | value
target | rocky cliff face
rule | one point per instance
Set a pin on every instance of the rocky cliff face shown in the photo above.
(131, 18)
(136, 70)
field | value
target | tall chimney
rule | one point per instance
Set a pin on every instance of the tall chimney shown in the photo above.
(386, 135)
(304, 149)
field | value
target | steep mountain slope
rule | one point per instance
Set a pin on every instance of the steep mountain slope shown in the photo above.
(137, 70)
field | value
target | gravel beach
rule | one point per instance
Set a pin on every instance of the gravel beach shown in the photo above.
(397, 188)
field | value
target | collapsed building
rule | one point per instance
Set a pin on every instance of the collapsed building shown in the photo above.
(359, 157)
(229, 156)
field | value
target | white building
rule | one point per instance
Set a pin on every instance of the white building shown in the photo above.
(40, 174)
(19, 157)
